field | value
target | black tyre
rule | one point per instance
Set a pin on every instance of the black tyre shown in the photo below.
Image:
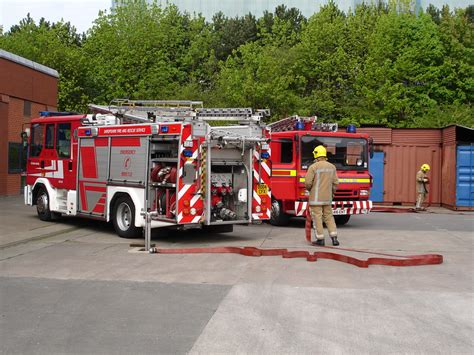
(342, 219)
(278, 217)
(123, 218)
(42, 205)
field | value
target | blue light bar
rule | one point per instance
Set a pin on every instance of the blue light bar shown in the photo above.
(351, 128)
(54, 113)
(299, 125)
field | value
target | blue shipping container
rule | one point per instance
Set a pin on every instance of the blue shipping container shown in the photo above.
(376, 168)
(465, 176)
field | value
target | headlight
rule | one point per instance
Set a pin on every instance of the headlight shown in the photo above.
(359, 162)
(364, 192)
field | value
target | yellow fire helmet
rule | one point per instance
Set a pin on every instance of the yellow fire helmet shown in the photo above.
(319, 151)
(425, 167)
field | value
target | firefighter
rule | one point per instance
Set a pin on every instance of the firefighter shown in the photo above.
(421, 182)
(321, 182)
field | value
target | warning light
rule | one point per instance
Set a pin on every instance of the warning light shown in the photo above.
(265, 155)
(188, 153)
(351, 128)
(165, 129)
(299, 125)
(88, 132)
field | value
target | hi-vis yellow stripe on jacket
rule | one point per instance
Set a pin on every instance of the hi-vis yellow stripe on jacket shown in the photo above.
(321, 180)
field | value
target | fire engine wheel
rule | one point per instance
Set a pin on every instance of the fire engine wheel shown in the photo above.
(342, 219)
(42, 206)
(278, 217)
(123, 218)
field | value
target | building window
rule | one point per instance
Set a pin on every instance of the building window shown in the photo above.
(16, 157)
(27, 108)
(63, 140)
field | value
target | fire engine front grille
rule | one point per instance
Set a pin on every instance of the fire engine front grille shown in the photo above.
(343, 194)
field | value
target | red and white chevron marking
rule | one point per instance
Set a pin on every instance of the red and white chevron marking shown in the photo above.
(189, 202)
(359, 207)
(262, 201)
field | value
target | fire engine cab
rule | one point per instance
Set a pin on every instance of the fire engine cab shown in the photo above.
(292, 141)
(151, 164)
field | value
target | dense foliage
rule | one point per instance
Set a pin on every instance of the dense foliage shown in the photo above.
(379, 64)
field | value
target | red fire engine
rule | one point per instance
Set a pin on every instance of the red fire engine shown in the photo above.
(293, 141)
(151, 164)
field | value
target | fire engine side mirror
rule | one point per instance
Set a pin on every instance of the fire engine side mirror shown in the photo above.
(24, 136)
(371, 148)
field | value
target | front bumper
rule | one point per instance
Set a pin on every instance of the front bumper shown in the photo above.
(339, 207)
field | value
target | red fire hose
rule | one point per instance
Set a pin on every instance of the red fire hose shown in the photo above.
(409, 260)
(388, 259)
(393, 209)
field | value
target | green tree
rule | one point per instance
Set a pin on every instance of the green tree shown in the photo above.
(400, 82)
(230, 33)
(322, 60)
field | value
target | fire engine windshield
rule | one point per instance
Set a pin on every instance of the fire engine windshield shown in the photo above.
(344, 153)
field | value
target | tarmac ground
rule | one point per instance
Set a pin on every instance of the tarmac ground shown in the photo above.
(74, 287)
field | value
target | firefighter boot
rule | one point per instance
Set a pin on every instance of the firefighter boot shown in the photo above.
(335, 241)
(318, 242)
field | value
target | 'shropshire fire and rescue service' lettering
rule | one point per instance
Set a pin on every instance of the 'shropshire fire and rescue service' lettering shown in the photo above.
(118, 131)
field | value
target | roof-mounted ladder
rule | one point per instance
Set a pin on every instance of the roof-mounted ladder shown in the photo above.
(301, 123)
(141, 111)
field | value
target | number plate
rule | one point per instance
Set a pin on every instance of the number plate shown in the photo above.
(262, 189)
(338, 211)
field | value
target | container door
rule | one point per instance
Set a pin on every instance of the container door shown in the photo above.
(465, 176)
(376, 168)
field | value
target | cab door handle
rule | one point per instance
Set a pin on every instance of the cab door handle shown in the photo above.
(42, 164)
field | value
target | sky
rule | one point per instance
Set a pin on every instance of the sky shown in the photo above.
(81, 13)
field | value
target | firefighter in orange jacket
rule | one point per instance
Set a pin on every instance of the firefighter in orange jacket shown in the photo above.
(321, 182)
(421, 182)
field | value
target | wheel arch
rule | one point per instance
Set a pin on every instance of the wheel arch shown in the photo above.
(135, 194)
(42, 183)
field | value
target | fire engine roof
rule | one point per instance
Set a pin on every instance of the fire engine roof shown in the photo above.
(321, 133)
(56, 119)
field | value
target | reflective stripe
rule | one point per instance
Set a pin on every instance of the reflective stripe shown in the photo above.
(283, 172)
(355, 180)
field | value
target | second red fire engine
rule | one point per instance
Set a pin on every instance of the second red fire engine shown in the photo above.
(293, 141)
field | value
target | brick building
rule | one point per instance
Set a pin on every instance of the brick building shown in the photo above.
(26, 88)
